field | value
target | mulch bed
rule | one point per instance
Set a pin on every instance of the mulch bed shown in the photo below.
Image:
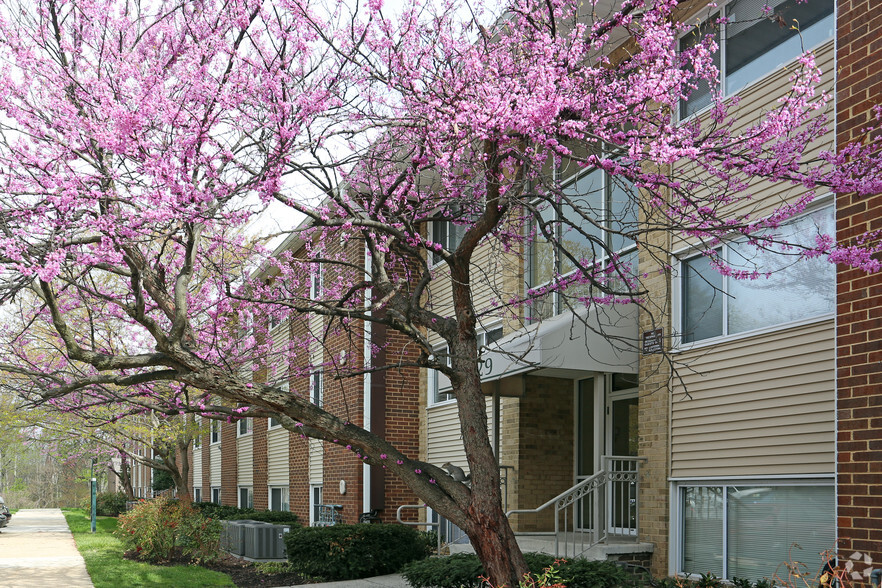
(243, 573)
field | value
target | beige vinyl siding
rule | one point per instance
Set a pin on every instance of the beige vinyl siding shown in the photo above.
(491, 277)
(277, 457)
(197, 467)
(444, 439)
(215, 455)
(245, 459)
(278, 360)
(761, 405)
(756, 99)
(316, 462)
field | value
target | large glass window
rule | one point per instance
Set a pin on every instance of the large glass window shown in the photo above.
(750, 530)
(589, 222)
(215, 432)
(246, 426)
(246, 497)
(786, 288)
(755, 43)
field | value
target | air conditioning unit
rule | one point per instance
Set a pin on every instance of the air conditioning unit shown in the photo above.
(232, 538)
(264, 541)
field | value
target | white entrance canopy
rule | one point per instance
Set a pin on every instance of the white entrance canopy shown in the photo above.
(602, 339)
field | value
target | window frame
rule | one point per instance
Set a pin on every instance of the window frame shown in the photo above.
(316, 280)
(249, 496)
(284, 498)
(216, 494)
(607, 186)
(248, 424)
(433, 376)
(197, 493)
(677, 290)
(316, 499)
(214, 432)
(678, 487)
(317, 388)
(726, 93)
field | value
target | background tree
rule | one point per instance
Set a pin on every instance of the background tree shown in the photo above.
(138, 140)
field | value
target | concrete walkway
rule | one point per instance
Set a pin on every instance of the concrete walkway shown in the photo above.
(390, 581)
(37, 550)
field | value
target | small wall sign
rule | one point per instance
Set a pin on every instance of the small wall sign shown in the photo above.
(653, 341)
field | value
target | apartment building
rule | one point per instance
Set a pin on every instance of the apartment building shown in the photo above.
(768, 433)
(257, 463)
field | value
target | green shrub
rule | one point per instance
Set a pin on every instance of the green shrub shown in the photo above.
(165, 529)
(581, 573)
(464, 570)
(218, 511)
(347, 552)
(109, 504)
(277, 517)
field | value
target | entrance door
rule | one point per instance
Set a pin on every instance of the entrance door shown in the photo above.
(622, 441)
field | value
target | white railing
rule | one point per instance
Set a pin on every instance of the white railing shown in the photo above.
(595, 509)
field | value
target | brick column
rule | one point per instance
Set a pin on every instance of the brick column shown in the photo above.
(859, 297)
(261, 491)
(229, 465)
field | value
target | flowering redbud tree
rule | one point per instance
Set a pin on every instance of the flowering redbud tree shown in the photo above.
(140, 138)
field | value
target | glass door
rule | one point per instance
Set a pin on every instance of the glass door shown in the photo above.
(622, 441)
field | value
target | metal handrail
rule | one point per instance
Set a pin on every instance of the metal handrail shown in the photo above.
(590, 488)
(419, 523)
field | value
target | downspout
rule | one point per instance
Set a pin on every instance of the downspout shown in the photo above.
(366, 341)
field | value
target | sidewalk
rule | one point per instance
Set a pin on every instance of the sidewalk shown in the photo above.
(390, 581)
(37, 550)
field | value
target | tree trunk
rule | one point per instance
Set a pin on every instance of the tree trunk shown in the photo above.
(486, 524)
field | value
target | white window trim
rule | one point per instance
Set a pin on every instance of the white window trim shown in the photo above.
(316, 281)
(197, 490)
(250, 490)
(249, 427)
(213, 490)
(675, 529)
(211, 432)
(317, 397)
(312, 503)
(719, 8)
(285, 495)
(687, 253)
(433, 376)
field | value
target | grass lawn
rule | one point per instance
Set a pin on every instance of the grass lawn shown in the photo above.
(104, 559)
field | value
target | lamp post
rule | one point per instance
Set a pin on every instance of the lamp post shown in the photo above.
(94, 491)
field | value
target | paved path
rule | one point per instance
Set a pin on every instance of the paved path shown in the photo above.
(38, 551)
(390, 581)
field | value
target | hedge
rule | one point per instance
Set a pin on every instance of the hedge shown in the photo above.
(347, 552)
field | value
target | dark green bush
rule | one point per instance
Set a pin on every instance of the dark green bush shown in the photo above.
(581, 573)
(277, 517)
(217, 511)
(464, 570)
(347, 552)
(110, 504)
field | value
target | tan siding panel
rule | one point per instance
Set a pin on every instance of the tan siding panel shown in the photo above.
(277, 457)
(444, 437)
(245, 460)
(215, 455)
(761, 405)
(316, 462)
(197, 467)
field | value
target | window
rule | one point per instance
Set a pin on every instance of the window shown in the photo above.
(246, 497)
(215, 495)
(279, 498)
(713, 305)
(316, 281)
(274, 422)
(747, 530)
(315, 502)
(755, 45)
(197, 494)
(317, 388)
(447, 234)
(601, 210)
(215, 432)
(246, 426)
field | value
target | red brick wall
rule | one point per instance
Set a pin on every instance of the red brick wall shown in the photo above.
(229, 465)
(261, 492)
(859, 297)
